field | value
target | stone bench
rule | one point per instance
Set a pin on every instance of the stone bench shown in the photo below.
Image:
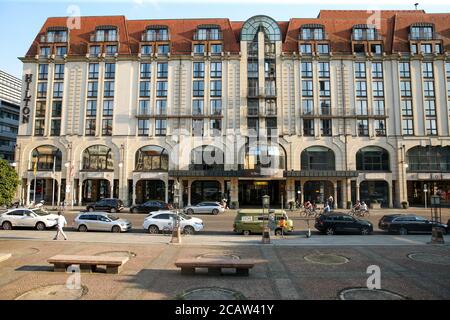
(88, 263)
(215, 266)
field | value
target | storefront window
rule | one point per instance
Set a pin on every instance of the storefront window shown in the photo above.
(318, 158)
(205, 191)
(372, 159)
(428, 159)
(97, 158)
(152, 158)
(47, 157)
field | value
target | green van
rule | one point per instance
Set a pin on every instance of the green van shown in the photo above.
(249, 221)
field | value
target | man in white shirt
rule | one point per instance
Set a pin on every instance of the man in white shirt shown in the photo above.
(61, 223)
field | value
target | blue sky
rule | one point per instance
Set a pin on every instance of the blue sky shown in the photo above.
(21, 20)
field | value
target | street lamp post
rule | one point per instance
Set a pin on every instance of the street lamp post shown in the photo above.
(266, 231)
(425, 191)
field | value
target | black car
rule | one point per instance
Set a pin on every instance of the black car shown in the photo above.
(108, 204)
(342, 223)
(150, 206)
(404, 224)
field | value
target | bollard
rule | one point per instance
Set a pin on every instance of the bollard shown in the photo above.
(176, 235)
(266, 236)
(437, 236)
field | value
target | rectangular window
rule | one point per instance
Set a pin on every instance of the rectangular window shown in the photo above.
(363, 127)
(160, 127)
(110, 70)
(306, 70)
(323, 48)
(326, 127)
(306, 48)
(324, 87)
(199, 48)
(45, 51)
(161, 107)
(216, 48)
(108, 106)
(252, 107)
(39, 125)
(378, 107)
(324, 69)
(91, 108)
(430, 108)
(428, 88)
(199, 69)
(197, 127)
(216, 107)
(144, 107)
(55, 127)
(56, 109)
(360, 69)
(308, 127)
(109, 89)
(376, 48)
(407, 108)
(111, 50)
(144, 89)
(143, 127)
(361, 107)
(59, 71)
(163, 70)
(58, 89)
(93, 70)
(146, 70)
(427, 69)
(216, 69)
(404, 70)
(216, 88)
(94, 50)
(161, 88)
(61, 51)
(361, 89)
(307, 88)
(198, 88)
(377, 70)
(42, 90)
(377, 89)
(216, 126)
(43, 72)
(253, 125)
(106, 127)
(447, 69)
(426, 48)
(197, 107)
(325, 107)
(431, 127)
(308, 106)
(146, 50)
(90, 127)
(40, 108)
(92, 89)
(163, 49)
(252, 70)
(405, 88)
(380, 127)
(408, 127)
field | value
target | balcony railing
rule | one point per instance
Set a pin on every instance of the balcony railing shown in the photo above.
(53, 38)
(103, 38)
(424, 36)
(271, 111)
(208, 36)
(252, 111)
(367, 37)
(147, 37)
(313, 36)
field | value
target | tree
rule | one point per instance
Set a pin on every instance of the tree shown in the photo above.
(9, 180)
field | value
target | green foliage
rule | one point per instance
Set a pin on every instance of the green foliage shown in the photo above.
(9, 180)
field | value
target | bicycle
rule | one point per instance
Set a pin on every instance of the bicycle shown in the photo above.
(309, 213)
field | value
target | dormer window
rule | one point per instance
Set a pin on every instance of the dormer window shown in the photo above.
(208, 33)
(55, 34)
(312, 32)
(365, 33)
(105, 34)
(156, 33)
(421, 32)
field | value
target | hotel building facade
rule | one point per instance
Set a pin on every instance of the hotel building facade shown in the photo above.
(351, 104)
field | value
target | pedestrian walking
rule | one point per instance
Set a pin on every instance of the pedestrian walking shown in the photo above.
(61, 223)
(331, 202)
(282, 224)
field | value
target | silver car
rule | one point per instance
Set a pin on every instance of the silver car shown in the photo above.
(205, 207)
(101, 221)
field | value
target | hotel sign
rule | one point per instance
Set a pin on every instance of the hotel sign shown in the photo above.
(26, 109)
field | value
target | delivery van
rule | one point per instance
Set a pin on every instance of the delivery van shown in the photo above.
(250, 221)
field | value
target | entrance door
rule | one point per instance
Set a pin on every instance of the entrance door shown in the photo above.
(150, 190)
(251, 192)
(94, 190)
(318, 191)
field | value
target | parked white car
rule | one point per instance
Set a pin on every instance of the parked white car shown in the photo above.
(31, 218)
(165, 220)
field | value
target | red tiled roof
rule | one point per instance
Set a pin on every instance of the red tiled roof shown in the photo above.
(338, 26)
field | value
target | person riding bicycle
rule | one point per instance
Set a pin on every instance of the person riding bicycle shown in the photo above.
(363, 206)
(357, 206)
(308, 205)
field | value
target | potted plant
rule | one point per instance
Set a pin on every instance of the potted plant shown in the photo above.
(405, 204)
(375, 204)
